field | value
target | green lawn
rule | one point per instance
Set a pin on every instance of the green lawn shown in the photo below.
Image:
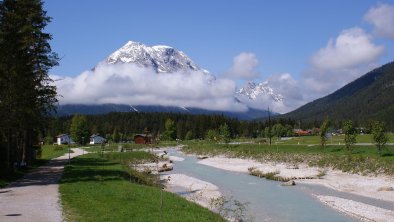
(49, 152)
(129, 146)
(335, 140)
(93, 188)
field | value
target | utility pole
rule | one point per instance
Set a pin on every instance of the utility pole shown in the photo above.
(83, 151)
(269, 124)
(69, 157)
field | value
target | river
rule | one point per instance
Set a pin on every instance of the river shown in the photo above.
(267, 200)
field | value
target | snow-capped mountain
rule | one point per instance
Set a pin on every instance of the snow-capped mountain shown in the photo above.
(163, 59)
(253, 91)
(166, 59)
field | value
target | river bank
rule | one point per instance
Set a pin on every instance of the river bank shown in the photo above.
(244, 196)
(377, 187)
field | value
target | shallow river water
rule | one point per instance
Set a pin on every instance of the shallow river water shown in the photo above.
(267, 200)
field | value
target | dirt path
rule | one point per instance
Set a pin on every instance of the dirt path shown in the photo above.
(35, 197)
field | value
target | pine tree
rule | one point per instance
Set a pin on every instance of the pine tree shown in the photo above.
(170, 130)
(224, 133)
(79, 129)
(27, 94)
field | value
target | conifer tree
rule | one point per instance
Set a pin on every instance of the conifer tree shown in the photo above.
(79, 129)
(27, 94)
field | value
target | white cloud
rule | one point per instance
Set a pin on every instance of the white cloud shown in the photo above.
(351, 48)
(342, 60)
(129, 84)
(244, 67)
(382, 18)
(289, 88)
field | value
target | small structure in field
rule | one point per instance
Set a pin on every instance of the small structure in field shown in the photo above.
(63, 139)
(143, 139)
(300, 132)
(97, 139)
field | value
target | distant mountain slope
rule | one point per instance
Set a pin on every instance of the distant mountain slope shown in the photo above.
(368, 97)
(65, 110)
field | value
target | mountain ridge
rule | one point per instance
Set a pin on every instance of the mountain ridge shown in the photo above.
(166, 59)
(162, 58)
(70, 109)
(366, 98)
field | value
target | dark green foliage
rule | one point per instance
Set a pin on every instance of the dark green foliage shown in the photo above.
(367, 98)
(323, 131)
(189, 135)
(350, 134)
(115, 136)
(79, 129)
(224, 133)
(379, 135)
(212, 135)
(27, 93)
(170, 130)
(129, 124)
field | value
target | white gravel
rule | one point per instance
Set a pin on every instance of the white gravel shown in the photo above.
(242, 165)
(35, 197)
(176, 158)
(198, 191)
(362, 211)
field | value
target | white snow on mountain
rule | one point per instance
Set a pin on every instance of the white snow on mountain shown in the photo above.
(253, 91)
(141, 75)
(163, 59)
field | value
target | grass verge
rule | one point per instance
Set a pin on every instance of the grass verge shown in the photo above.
(47, 153)
(97, 187)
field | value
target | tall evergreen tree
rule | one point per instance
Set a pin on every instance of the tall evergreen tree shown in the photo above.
(27, 94)
(79, 129)
(224, 133)
(170, 130)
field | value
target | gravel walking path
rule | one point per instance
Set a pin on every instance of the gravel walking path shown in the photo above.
(35, 197)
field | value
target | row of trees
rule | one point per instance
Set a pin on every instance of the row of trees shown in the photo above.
(122, 126)
(378, 132)
(27, 94)
(167, 126)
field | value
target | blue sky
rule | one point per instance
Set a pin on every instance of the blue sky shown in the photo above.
(283, 36)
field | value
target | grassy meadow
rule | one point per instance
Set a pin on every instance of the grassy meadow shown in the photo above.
(363, 159)
(97, 182)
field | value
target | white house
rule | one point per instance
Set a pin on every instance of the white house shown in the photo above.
(96, 139)
(63, 139)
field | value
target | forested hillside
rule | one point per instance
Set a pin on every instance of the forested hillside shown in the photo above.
(370, 97)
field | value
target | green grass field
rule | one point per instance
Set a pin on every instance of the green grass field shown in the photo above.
(362, 159)
(98, 183)
(311, 140)
(49, 152)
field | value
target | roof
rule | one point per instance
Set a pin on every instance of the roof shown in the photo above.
(95, 135)
(61, 135)
(143, 135)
